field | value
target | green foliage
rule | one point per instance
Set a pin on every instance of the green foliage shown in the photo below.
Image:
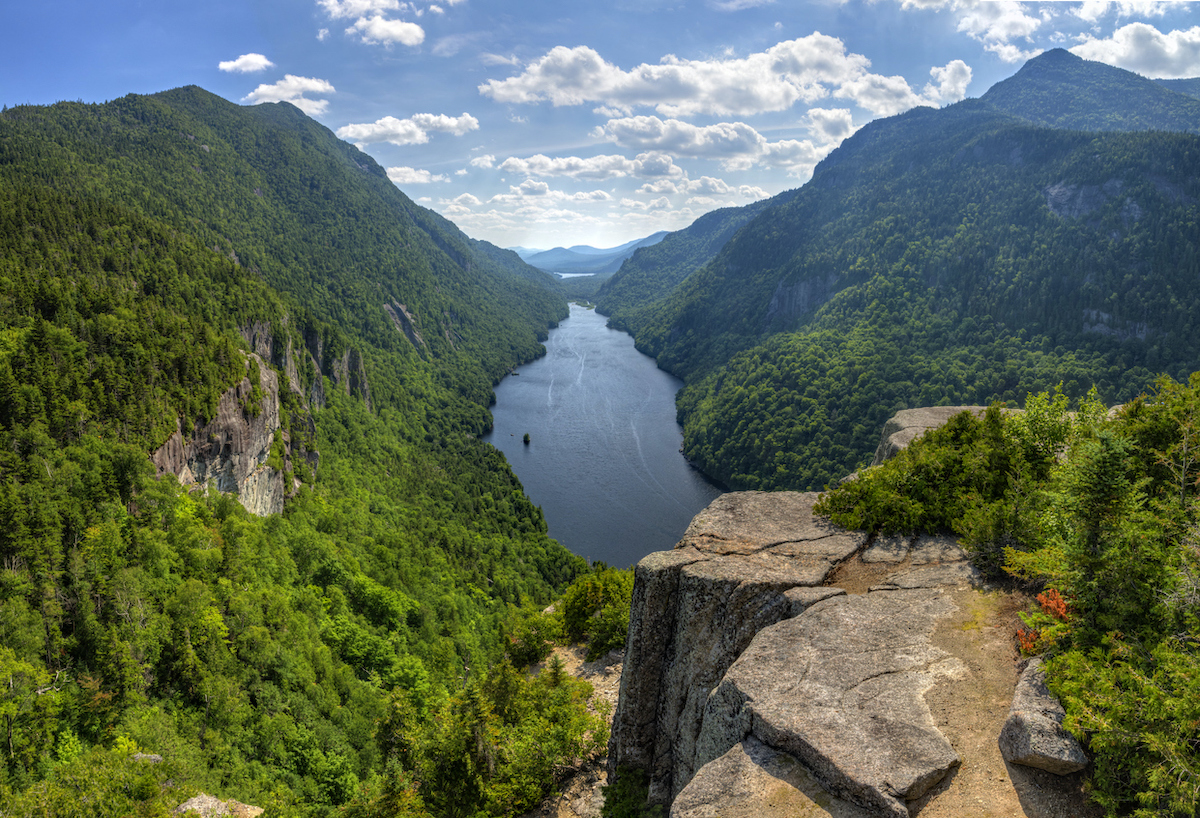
(144, 245)
(927, 263)
(626, 796)
(595, 609)
(1106, 521)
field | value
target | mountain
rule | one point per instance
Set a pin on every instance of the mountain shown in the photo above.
(586, 259)
(950, 256)
(209, 310)
(1191, 87)
(653, 271)
(1059, 90)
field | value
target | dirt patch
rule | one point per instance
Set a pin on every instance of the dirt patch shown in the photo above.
(970, 711)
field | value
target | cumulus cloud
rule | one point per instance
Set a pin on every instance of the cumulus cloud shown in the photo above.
(485, 161)
(772, 80)
(659, 186)
(803, 70)
(246, 64)
(466, 200)
(378, 30)
(537, 189)
(649, 165)
(1143, 48)
(1093, 10)
(412, 131)
(413, 176)
(661, 203)
(293, 89)
(830, 125)
(357, 8)
(736, 145)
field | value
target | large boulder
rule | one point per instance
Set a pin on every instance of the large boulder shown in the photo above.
(1033, 735)
(907, 425)
(840, 688)
(753, 781)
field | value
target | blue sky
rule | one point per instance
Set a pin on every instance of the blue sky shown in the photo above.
(540, 124)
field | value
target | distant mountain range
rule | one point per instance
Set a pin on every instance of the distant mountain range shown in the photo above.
(583, 258)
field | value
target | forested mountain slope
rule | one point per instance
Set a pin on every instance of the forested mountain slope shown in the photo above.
(652, 272)
(1060, 90)
(347, 652)
(941, 256)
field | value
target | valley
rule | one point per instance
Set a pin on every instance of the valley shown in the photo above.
(252, 520)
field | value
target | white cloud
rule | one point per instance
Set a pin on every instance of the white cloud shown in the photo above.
(802, 70)
(436, 9)
(772, 80)
(461, 172)
(649, 165)
(412, 131)
(661, 203)
(485, 161)
(377, 30)
(659, 186)
(830, 124)
(292, 89)
(735, 144)
(538, 190)
(885, 96)
(466, 200)
(357, 8)
(413, 176)
(702, 201)
(1093, 10)
(496, 59)
(949, 82)
(1143, 48)
(246, 64)
(323, 35)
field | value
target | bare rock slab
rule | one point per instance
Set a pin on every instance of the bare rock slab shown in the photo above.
(695, 608)
(907, 425)
(754, 781)
(841, 689)
(1033, 735)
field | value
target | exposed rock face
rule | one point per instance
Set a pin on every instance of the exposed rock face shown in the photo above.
(754, 781)
(208, 806)
(753, 685)
(232, 449)
(908, 424)
(696, 608)
(840, 689)
(1034, 735)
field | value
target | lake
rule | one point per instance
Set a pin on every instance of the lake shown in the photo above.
(603, 459)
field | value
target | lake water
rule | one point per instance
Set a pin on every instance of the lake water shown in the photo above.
(603, 460)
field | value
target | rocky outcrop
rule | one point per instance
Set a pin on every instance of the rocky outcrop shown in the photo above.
(233, 449)
(779, 665)
(1034, 735)
(908, 424)
(840, 689)
(735, 637)
(696, 608)
(208, 806)
(753, 781)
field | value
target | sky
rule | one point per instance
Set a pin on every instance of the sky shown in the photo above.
(540, 124)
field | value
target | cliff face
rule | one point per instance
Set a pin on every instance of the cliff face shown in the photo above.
(779, 665)
(232, 450)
